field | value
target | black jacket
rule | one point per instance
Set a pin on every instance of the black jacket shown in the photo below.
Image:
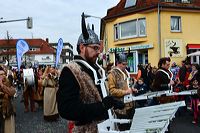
(161, 81)
(70, 106)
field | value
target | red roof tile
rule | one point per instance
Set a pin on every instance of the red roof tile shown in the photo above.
(141, 5)
(44, 47)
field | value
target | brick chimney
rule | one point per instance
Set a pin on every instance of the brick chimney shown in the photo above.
(47, 40)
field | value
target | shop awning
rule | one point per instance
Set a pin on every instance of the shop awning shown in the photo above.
(193, 46)
(194, 54)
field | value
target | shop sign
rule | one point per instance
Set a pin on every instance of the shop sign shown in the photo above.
(143, 46)
(173, 47)
(134, 47)
(122, 49)
(44, 58)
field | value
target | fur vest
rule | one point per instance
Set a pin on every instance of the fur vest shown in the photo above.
(88, 94)
(6, 105)
(116, 83)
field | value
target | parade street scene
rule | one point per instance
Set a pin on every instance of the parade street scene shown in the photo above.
(101, 66)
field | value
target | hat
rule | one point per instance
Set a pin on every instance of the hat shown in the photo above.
(88, 36)
(121, 58)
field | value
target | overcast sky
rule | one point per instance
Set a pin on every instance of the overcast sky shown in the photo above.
(52, 19)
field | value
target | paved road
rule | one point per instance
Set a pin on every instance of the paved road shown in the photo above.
(33, 122)
(183, 123)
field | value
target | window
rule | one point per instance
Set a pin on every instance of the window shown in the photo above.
(185, 1)
(116, 29)
(175, 23)
(33, 49)
(130, 3)
(142, 26)
(178, 1)
(130, 29)
(168, 0)
(194, 59)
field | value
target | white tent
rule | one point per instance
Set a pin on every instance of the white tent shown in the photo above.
(194, 54)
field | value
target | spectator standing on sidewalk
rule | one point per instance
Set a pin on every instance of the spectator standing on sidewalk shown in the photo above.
(194, 79)
(141, 89)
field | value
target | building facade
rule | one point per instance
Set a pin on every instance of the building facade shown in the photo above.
(147, 30)
(40, 53)
(67, 52)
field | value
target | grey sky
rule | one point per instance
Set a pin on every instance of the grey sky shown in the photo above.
(52, 19)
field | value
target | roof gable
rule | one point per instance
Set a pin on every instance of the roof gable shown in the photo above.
(141, 5)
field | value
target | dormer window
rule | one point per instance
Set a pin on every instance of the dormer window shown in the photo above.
(130, 3)
(186, 1)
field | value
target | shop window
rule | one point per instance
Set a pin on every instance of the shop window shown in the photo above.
(194, 59)
(175, 23)
(199, 59)
(130, 3)
(132, 62)
(140, 58)
(146, 58)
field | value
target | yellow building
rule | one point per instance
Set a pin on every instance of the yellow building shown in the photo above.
(150, 29)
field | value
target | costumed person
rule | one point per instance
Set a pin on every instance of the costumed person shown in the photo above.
(118, 87)
(29, 90)
(38, 96)
(50, 90)
(163, 79)
(7, 109)
(79, 99)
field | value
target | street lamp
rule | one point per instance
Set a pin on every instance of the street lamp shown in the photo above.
(29, 21)
(87, 16)
(29, 24)
(102, 25)
(91, 16)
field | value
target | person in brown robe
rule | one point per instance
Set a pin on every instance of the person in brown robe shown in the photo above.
(7, 110)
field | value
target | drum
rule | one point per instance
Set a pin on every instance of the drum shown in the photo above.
(28, 75)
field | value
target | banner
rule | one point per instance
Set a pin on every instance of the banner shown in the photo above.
(59, 50)
(21, 47)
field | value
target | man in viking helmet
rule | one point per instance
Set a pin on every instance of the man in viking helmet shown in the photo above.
(79, 99)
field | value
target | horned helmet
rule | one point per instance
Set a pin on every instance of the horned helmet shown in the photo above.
(88, 36)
